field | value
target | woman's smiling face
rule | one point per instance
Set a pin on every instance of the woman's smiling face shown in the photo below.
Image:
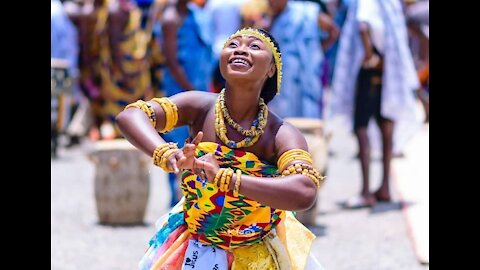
(246, 57)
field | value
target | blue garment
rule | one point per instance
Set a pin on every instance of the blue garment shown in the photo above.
(194, 52)
(195, 55)
(177, 135)
(144, 2)
(63, 37)
(144, 6)
(64, 45)
(298, 34)
(331, 53)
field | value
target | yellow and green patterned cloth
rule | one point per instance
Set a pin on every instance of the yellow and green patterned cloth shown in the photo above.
(249, 234)
(219, 218)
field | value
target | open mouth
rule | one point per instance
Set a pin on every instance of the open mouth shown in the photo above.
(240, 61)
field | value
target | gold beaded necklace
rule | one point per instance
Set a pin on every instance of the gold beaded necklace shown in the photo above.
(251, 135)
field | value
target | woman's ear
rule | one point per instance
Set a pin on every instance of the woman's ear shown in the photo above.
(272, 70)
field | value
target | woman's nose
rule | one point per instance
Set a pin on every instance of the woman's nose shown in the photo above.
(240, 50)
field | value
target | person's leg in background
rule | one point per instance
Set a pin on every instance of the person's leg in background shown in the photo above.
(386, 128)
(364, 154)
(364, 109)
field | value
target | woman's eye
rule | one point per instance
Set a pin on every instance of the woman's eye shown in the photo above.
(255, 46)
(232, 45)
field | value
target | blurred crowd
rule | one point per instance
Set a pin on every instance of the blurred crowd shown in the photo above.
(357, 58)
(109, 53)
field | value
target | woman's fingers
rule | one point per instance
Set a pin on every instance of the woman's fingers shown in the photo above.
(172, 160)
(197, 138)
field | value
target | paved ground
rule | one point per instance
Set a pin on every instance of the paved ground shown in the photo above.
(379, 238)
(412, 181)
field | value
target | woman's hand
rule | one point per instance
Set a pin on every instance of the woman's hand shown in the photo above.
(210, 167)
(184, 158)
(372, 61)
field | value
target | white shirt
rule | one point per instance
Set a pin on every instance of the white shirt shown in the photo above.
(369, 11)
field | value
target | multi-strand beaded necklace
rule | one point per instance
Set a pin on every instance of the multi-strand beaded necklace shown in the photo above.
(251, 135)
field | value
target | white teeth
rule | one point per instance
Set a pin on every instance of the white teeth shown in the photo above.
(240, 61)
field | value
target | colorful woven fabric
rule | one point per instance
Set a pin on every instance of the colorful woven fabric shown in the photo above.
(219, 218)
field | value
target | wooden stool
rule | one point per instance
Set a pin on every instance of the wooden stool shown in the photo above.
(312, 130)
(121, 182)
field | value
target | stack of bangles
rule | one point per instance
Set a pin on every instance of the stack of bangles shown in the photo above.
(146, 108)
(224, 175)
(302, 164)
(162, 153)
(170, 109)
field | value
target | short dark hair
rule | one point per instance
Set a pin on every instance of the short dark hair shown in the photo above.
(269, 89)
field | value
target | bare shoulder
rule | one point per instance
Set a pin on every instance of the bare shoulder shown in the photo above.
(288, 137)
(194, 98)
(193, 105)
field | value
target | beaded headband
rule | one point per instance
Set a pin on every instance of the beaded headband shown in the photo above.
(276, 54)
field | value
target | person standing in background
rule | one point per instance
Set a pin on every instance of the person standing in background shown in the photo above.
(374, 50)
(187, 43)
